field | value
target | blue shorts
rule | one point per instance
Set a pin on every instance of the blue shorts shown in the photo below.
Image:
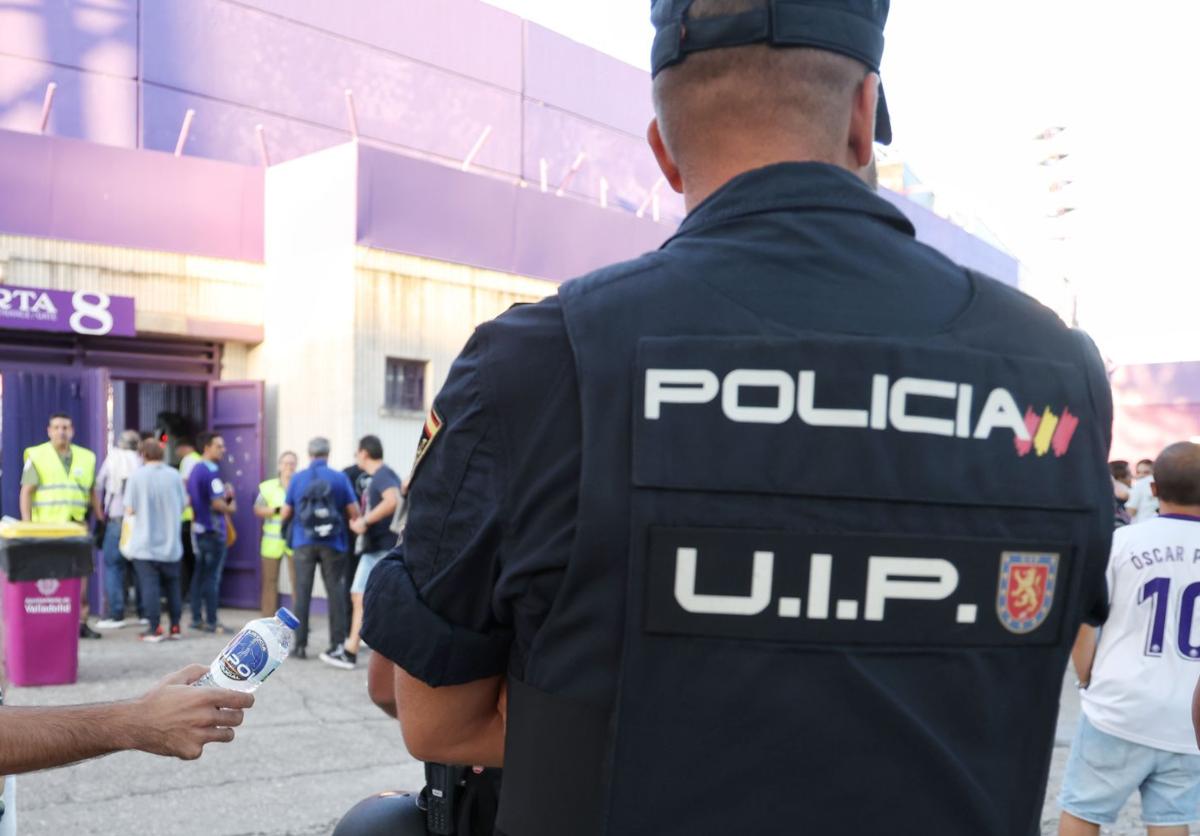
(1103, 771)
(365, 564)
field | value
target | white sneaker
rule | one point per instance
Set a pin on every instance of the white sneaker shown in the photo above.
(111, 623)
(143, 621)
(338, 659)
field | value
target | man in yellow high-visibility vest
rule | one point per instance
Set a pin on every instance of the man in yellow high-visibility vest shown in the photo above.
(56, 486)
(271, 496)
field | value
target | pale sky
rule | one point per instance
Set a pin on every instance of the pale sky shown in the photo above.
(970, 83)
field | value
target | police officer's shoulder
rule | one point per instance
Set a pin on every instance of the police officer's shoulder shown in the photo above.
(526, 344)
(543, 321)
(1039, 330)
(618, 276)
(1011, 301)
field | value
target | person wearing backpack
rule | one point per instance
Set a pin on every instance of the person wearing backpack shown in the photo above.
(321, 500)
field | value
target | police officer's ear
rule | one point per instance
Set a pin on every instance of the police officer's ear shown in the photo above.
(862, 121)
(665, 162)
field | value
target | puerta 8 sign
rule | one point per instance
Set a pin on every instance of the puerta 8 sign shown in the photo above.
(78, 312)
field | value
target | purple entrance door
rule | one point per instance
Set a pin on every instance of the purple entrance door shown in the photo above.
(235, 410)
(30, 395)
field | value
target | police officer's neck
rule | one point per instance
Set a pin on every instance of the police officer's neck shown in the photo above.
(62, 447)
(706, 176)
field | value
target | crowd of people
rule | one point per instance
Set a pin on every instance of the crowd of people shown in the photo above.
(1134, 500)
(165, 529)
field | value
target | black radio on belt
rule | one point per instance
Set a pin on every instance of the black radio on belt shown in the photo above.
(442, 786)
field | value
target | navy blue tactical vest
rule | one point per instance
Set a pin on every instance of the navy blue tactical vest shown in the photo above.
(823, 583)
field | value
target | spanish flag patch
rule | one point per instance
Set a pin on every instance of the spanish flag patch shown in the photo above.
(433, 426)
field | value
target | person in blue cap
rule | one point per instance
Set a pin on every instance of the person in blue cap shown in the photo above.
(786, 527)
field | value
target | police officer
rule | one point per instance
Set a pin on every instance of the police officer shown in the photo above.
(786, 527)
(56, 486)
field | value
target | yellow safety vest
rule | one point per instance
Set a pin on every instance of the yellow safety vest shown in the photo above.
(62, 496)
(273, 545)
(188, 513)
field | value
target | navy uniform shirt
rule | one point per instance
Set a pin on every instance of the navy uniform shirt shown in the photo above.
(493, 500)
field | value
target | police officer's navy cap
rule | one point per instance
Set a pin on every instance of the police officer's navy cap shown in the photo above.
(850, 27)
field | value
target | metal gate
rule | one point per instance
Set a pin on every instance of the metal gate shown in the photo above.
(30, 395)
(235, 410)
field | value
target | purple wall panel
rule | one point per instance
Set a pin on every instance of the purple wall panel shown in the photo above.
(225, 131)
(25, 165)
(100, 108)
(464, 36)
(241, 55)
(581, 80)
(95, 35)
(79, 191)
(562, 238)
(414, 206)
(625, 160)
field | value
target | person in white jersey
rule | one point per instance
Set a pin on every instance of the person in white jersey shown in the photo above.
(1142, 503)
(1137, 681)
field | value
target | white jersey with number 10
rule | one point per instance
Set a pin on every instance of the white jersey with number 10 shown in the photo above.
(1148, 659)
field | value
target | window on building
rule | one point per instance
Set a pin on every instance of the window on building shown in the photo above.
(404, 388)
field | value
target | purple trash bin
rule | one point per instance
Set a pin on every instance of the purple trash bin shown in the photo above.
(41, 630)
(41, 565)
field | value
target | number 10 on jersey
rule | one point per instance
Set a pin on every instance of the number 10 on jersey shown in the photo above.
(1159, 591)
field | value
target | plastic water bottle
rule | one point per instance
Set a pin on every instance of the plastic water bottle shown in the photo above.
(253, 654)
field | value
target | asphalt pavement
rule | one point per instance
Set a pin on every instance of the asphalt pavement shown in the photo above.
(312, 746)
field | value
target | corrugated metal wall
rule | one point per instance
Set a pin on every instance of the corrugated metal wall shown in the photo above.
(169, 288)
(418, 309)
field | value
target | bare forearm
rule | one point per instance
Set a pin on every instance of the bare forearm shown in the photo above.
(26, 502)
(41, 738)
(1196, 712)
(383, 511)
(381, 675)
(264, 512)
(1083, 653)
(223, 506)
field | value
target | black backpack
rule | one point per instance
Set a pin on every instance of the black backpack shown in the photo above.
(318, 512)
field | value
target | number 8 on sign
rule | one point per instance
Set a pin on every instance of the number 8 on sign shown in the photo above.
(87, 312)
